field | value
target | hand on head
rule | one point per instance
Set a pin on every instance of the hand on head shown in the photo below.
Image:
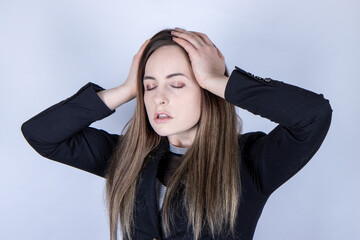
(206, 60)
(132, 77)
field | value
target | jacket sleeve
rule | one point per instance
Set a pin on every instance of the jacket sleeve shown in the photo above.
(303, 119)
(62, 133)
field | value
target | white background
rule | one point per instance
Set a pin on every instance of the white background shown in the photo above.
(50, 49)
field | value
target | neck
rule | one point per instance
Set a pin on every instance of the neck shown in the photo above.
(177, 150)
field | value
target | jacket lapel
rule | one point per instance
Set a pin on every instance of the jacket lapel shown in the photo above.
(147, 211)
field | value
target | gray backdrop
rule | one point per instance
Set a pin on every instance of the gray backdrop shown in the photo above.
(50, 49)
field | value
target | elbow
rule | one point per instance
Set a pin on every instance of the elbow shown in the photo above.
(325, 112)
(31, 137)
(28, 132)
(317, 125)
(323, 121)
(25, 130)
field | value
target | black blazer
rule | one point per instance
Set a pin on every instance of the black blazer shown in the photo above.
(62, 133)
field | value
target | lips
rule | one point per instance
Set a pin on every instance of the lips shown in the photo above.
(158, 113)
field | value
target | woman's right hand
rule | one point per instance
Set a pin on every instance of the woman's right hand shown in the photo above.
(130, 82)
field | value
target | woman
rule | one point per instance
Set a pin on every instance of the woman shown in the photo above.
(185, 138)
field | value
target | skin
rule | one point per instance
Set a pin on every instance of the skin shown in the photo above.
(161, 94)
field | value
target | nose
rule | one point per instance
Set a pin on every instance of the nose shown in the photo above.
(160, 98)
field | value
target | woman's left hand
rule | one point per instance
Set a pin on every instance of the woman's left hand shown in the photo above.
(206, 60)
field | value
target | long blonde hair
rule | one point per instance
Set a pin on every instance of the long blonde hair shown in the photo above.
(212, 162)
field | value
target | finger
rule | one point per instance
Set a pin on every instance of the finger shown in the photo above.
(190, 37)
(209, 42)
(204, 37)
(189, 48)
(194, 40)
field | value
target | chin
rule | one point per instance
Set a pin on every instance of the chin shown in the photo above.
(162, 133)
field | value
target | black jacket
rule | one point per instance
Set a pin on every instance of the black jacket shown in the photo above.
(62, 133)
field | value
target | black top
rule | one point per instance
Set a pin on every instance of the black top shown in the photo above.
(62, 133)
(168, 164)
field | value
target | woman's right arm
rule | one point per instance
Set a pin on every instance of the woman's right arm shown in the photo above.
(62, 133)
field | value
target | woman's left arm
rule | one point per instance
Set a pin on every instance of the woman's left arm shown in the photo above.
(303, 119)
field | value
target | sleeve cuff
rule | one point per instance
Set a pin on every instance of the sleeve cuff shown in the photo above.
(240, 80)
(87, 96)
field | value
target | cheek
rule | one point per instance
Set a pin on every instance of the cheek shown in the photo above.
(193, 106)
(197, 99)
(146, 105)
(146, 100)
(197, 110)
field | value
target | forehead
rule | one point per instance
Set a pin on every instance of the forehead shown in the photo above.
(168, 60)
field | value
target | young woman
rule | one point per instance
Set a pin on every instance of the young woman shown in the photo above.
(182, 169)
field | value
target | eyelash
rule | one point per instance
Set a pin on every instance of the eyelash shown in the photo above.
(149, 89)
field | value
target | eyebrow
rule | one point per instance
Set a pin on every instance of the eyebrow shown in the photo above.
(168, 76)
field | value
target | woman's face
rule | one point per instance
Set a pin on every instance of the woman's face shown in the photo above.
(170, 86)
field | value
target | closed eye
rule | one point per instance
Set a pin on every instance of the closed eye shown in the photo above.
(149, 89)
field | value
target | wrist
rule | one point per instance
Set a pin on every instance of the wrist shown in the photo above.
(126, 88)
(217, 85)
